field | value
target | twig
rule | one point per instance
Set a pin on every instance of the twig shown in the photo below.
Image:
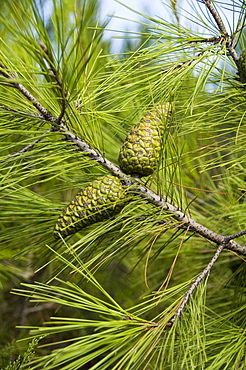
(234, 236)
(216, 17)
(22, 113)
(196, 282)
(45, 112)
(228, 39)
(239, 29)
(30, 146)
(134, 184)
(188, 62)
(50, 60)
(214, 40)
(180, 65)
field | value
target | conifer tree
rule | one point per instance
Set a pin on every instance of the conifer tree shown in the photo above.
(137, 162)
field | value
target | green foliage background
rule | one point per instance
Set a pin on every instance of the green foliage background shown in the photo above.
(101, 299)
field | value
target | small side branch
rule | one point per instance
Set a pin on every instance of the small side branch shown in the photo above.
(29, 147)
(196, 283)
(216, 17)
(223, 31)
(45, 112)
(240, 29)
(213, 40)
(19, 113)
(234, 236)
(9, 77)
(50, 60)
(55, 74)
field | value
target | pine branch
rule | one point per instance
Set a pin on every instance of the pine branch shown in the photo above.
(196, 283)
(135, 185)
(29, 147)
(191, 61)
(150, 196)
(240, 28)
(224, 37)
(214, 40)
(216, 17)
(4, 108)
(9, 76)
(227, 38)
(50, 60)
(234, 236)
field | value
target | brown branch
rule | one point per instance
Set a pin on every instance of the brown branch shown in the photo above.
(180, 65)
(214, 40)
(29, 147)
(239, 29)
(196, 282)
(234, 236)
(224, 33)
(216, 17)
(5, 72)
(50, 60)
(228, 39)
(9, 76)
(4, 108)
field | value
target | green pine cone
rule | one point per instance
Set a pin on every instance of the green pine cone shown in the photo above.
(140, 152)
(242, 64)
(98, 201)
